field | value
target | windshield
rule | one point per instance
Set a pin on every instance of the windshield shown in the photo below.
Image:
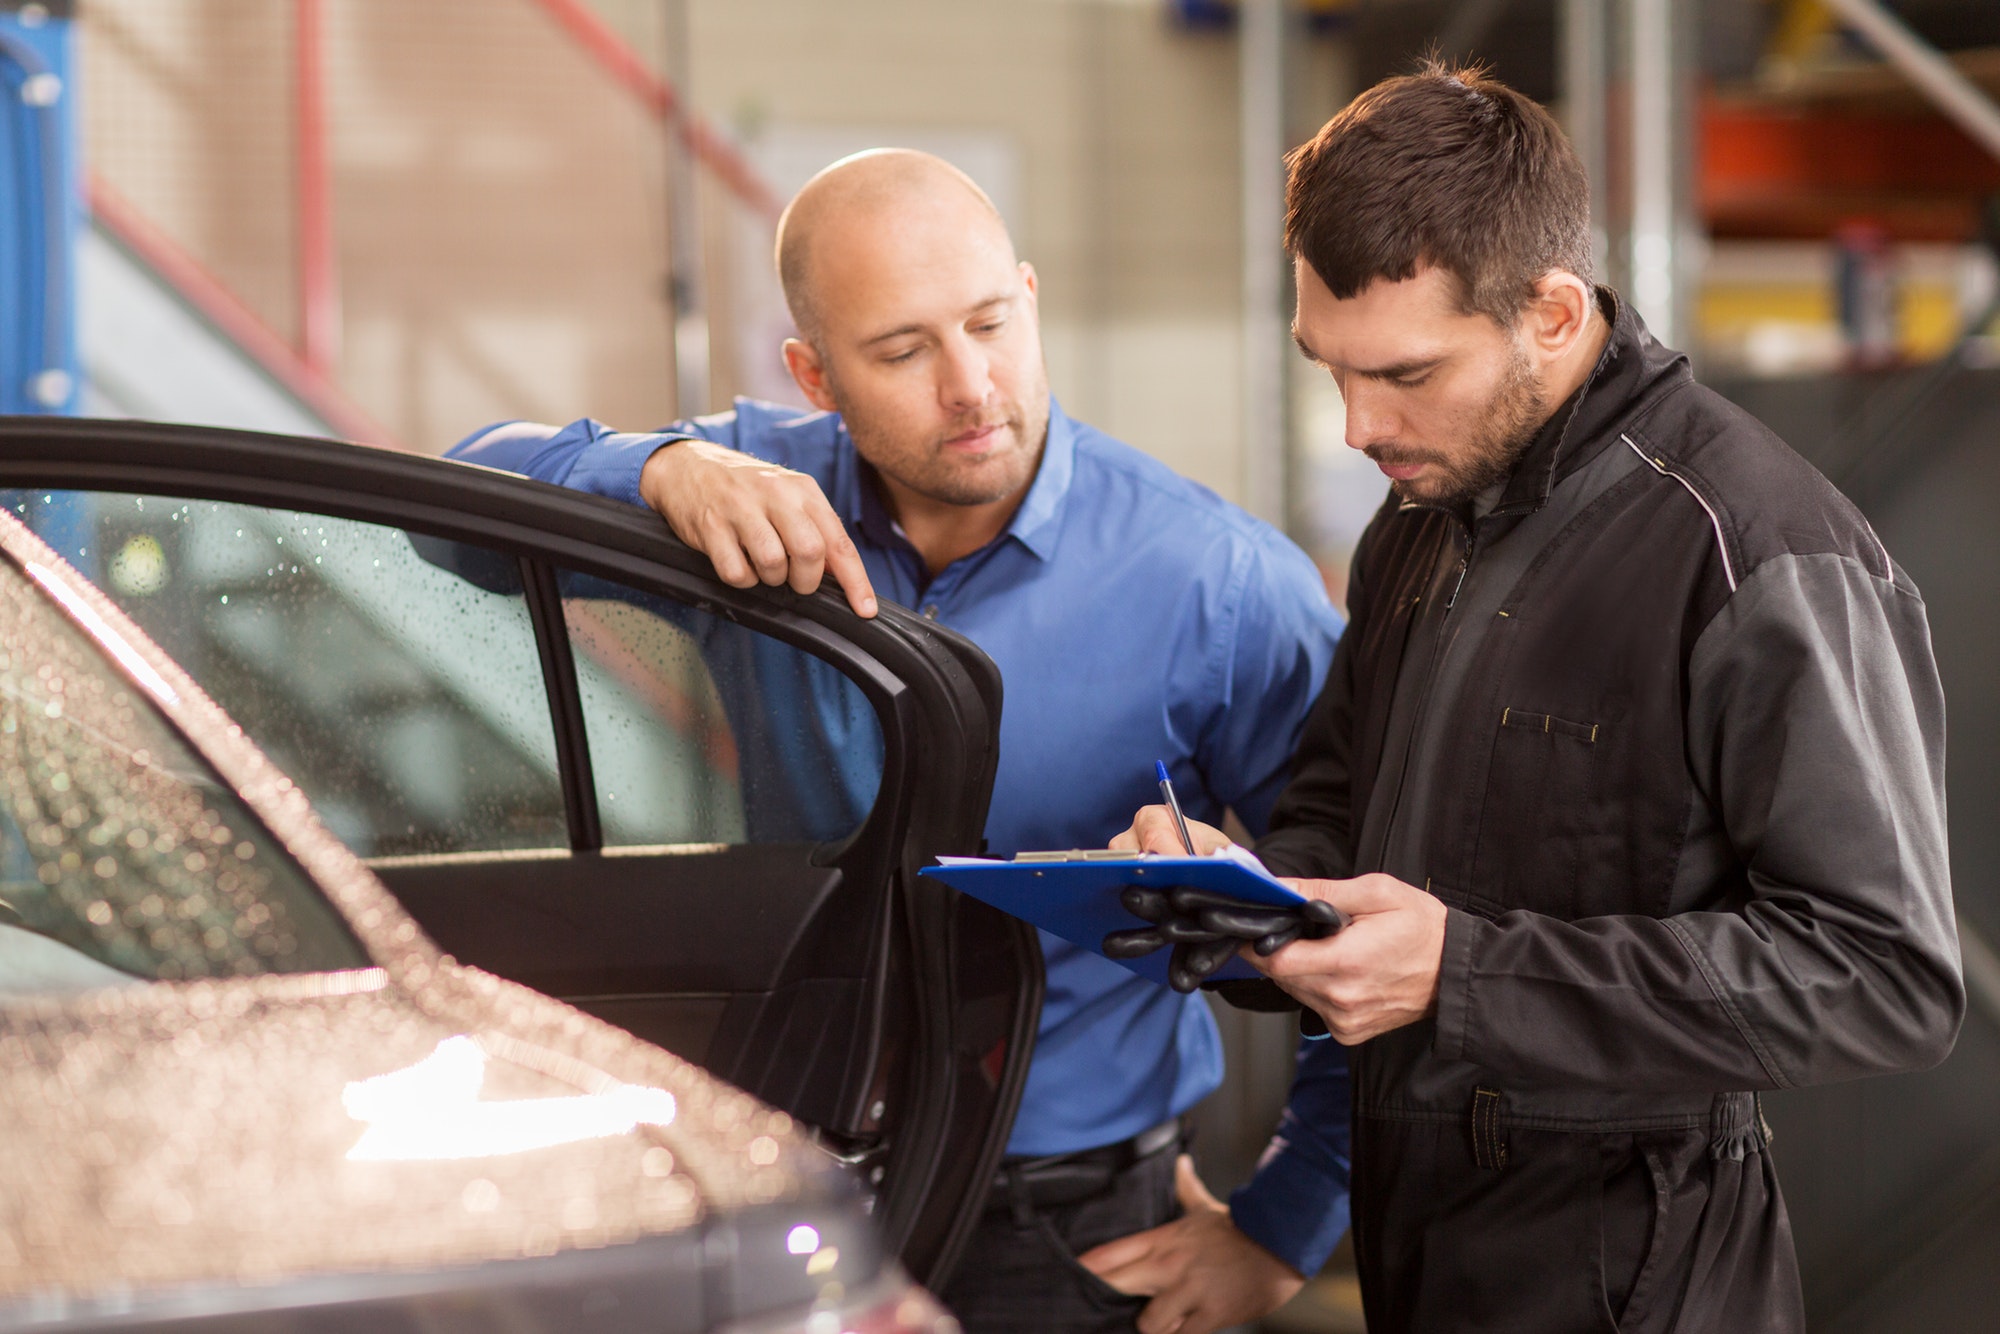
(122, 856)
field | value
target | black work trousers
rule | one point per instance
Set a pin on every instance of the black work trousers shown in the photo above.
(1569, 1232)
(1020, 1275)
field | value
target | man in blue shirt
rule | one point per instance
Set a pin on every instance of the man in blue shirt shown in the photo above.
(1134, 615)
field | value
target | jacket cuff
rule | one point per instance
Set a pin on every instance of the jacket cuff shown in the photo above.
(1464, 936)
(1293, 1208)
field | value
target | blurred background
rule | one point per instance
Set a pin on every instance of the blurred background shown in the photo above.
(397, 222)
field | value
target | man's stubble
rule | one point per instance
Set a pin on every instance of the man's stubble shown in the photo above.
(1509, 423)
(927, 469)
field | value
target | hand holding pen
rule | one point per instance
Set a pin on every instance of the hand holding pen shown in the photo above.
(1206, 929)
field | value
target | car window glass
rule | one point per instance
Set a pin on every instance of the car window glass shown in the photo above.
(400, 687)
(702, 730)
(121, 854)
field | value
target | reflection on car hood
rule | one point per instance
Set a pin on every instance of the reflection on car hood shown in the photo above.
(270, 1128)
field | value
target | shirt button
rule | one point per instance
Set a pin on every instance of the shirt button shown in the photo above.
(930, 612)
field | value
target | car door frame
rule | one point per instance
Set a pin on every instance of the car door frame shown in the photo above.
(937, 695)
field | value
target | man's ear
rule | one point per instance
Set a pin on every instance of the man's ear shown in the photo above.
(808, 373)
(1558, 313)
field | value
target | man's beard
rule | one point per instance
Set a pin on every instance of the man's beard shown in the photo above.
(1508, 425)
(929, 470)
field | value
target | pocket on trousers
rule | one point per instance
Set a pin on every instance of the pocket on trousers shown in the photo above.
(1089, 1286)
(1677, 1172)
(1629, 1234)
(1507, 1251)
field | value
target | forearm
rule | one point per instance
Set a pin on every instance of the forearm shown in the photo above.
(585, 455)
(1714, 1001)
(1296, 1206)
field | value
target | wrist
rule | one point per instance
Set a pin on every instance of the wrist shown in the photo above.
(657, 474)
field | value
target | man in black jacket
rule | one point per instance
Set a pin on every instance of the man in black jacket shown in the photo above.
(1629, 770)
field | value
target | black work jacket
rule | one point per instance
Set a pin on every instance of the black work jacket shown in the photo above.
(1664, 731)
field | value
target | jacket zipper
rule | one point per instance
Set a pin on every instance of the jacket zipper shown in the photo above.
(1464, 564)
(1423, 709)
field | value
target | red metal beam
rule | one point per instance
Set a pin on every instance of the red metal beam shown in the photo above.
(319, 275)
(1801, 172)
(236, 322)
(711, 148)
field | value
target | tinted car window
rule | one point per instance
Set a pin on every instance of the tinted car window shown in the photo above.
(404, 699)
(121, 854)
(704, 731)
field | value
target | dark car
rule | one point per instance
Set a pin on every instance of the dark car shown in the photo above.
(581, 763)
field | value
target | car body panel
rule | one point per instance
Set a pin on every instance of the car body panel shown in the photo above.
(223, 1145)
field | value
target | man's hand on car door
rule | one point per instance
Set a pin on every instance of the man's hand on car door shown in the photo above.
(755, 520)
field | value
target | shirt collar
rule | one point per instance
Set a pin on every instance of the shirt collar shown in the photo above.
(1036, 524)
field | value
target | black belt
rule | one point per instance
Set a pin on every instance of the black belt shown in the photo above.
(1025, 1184)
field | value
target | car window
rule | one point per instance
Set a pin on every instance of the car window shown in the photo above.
(395, 677)
(702, 730)
(122, 856)
(396, 680)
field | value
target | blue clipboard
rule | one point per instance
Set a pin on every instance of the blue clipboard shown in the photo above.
(1078, 900)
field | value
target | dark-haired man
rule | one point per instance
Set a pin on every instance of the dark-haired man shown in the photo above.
(1135, 615)
(1629, 772)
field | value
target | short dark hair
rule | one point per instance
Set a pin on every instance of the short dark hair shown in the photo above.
(1445, 168)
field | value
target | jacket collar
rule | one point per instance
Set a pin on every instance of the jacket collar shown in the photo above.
(1633, 370)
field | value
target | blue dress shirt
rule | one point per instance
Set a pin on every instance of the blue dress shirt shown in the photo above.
(1135, 616)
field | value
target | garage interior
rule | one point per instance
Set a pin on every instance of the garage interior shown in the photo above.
(337, 217)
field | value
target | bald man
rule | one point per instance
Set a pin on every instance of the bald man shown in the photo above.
(1134, 615)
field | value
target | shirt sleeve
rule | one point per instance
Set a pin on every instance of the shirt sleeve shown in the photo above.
(1276, 662)
(585, 455)
(1816, 739)
(1296, 1206)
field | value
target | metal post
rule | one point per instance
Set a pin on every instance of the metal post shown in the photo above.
(319, 273)
(1653, 258)
(1265, 317)
(1586, 99)
(39, 138)
(684, 247)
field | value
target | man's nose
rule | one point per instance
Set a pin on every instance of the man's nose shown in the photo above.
(1370, 420)
(965, 377)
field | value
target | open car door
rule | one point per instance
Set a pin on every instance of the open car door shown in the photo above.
(584, 763)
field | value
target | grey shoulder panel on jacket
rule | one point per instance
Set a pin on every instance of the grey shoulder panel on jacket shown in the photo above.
(1763, 500)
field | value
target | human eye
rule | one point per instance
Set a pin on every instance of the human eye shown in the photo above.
(908, 354)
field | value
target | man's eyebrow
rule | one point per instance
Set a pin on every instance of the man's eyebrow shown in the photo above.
(1394, 371)
(906, 330)
(1399, 370)
(900, 331)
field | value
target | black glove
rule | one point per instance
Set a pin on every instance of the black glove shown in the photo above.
(1206, 929)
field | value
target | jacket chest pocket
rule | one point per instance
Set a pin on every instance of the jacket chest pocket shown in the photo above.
(1538, 812)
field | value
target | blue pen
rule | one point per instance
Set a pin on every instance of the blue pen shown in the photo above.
(1174, 805)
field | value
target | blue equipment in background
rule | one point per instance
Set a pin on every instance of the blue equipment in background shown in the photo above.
(40, 209)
